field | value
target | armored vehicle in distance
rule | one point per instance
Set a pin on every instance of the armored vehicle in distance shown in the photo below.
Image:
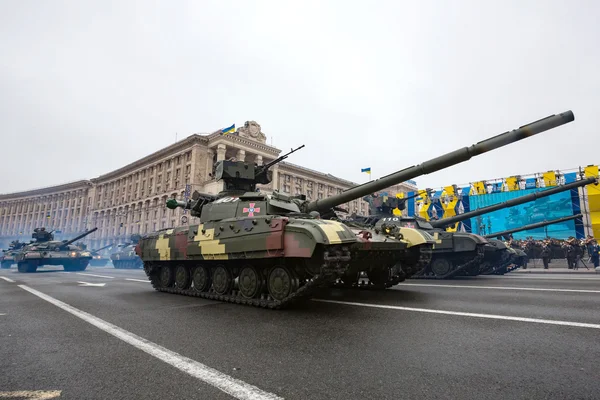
(125, 256)
(44, 250)
(8, 258)
(99, 260)
(267, 250)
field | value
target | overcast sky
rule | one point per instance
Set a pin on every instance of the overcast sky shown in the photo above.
(89, 86)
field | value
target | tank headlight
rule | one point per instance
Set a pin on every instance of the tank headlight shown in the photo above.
(73, 254)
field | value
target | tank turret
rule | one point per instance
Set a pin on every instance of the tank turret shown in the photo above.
(269, 249)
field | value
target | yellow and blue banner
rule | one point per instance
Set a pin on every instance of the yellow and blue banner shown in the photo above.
(226, 131)
(366, 170)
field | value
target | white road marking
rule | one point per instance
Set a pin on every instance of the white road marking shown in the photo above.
(232, 386)
(501, 288)
(7, 279)
(91, 284)
(541, 276)
(2, 314)
(32, 394)
(467, 314)
(97, 276)
(137, 280)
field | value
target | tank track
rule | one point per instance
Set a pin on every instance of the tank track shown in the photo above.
(423, 261)
(335, 262)
(495, 270)
(474, 261)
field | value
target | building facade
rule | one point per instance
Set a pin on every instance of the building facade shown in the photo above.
(132, 199)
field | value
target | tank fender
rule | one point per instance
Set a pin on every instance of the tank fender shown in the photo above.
(303, 235)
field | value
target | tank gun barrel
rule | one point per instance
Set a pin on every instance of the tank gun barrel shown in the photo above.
(533, 226)
(442, 223)
(444, 161)
(101, 248)
(68, 242)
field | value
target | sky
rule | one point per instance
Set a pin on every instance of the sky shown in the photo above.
(87, 87)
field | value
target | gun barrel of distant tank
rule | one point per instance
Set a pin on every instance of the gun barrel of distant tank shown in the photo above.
(444, 161)
(79, 237)
(534, 226)
(512, 202)
(102, 248)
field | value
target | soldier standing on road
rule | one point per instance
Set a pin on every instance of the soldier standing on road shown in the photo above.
(594, 251)
(545, 254)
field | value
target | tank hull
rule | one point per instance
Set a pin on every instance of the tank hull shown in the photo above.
(267, 262)
(29, 261)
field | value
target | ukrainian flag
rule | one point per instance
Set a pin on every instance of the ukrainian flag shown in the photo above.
(366, 170)
(226, 131)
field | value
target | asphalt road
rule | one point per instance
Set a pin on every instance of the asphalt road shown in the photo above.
(489, 337)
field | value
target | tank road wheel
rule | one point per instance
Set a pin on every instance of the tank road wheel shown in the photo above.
(250, 282)
(183, 278)
(167, 277)
(441, 266)
(281, 283)
(222, 280)
(201, 278)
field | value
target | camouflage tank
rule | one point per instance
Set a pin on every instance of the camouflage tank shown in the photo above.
(44, 250)
(457, 253)
(8, 258)
(98, 260)
(125, 257)
(268, 250)
(518, 258)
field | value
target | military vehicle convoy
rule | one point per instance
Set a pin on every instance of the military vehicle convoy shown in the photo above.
(125, 257)
(98, 260)
(268, 250)
(460, 253)
(8, 257)
(44, 250)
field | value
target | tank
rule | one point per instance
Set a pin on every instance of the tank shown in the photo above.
(270, 250)
(44, 250)
(125, 256)
(517, 258)
(8, 256)
(459, 253)
(98, 259)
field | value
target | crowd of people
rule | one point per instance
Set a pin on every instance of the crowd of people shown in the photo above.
(573, 250)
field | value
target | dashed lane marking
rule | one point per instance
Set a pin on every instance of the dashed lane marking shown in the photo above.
(1, 314)
(501, 288)
(137, 280)
(7, 279)
(97, 276)
(232, 386)
(31, 394)
(466, 314)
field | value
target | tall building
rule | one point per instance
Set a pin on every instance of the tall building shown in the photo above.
(132, 199)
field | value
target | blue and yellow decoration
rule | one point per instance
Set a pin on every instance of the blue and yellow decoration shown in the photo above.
(452, 200)
(366, 170)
